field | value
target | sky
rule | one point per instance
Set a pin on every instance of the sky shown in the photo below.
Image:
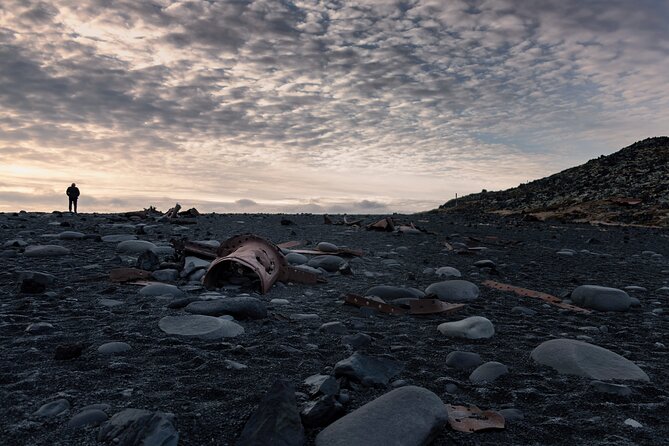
(317, 106)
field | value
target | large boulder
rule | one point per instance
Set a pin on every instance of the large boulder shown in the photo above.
(601, 298)
(572, 357)
(408, 416)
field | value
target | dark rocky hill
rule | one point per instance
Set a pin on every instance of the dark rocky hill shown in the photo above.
(630, 186)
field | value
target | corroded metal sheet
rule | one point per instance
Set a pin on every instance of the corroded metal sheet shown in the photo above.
(432, 306)
(128, 274)
(553, 300)
(472, 419)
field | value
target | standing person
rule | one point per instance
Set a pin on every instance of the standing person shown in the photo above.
(73, 193)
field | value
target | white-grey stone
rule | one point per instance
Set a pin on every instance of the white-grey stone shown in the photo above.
(335, 327)
(488, 372)
(198, 326)
(454, 291)
(114, 348)
(474, 327)
(161, 289)
(408, 416)
(46, 251)
(39, 327)
(572, 357)
(234, 365)
(117, 238)
(632, 423)
(53, 409)
(601, 298)
(110, 303)
(447, 272)
(71, 235)
(279, 302)
(136, 247)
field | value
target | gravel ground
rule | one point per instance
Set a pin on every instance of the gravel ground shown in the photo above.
(211, 402)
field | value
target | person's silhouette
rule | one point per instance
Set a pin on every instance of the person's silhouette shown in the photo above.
(73, 193)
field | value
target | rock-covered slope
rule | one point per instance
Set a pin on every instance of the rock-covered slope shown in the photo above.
(630, 186)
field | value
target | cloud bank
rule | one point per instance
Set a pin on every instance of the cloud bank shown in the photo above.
(313, 105)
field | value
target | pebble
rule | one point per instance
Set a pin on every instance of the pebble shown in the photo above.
(117, 238)
(279, 302)
(523, 310)
(572, 357)
(388, 292)
(46, 251)
(87, 417)
(335, 327)
(304, 317)
(407, 416)
(198, 326)
(192, 264)
(488, 372)
(512, 415)
(485, 264)
(71, 235)
(165, 275)
(447, 272)
(234, 365)
(474, 327)
(321, 412)
(39, 327)
(53, 408)
(161, 289)
(327, 247)
(601, 298)
(114, 348)
(34, 282)
(322, 384)
(110, 303)
(295, 258)
(632, 423)
(329, 263)
(135, 247)
(241, 307)
(368, 370)
(454, 291)
(610, 388)
(463, 360)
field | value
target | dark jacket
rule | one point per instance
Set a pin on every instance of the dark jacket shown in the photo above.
(72, 192)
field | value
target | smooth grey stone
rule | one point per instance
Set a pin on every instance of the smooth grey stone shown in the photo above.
(632, 423)
(294, 258)
(327, 247)
(368, 370)
(100, 406)
(110, 303)
(164, 250)
(304, 317)
(276, 421)
(335, 327)
(8, 253)
(161, 289)
(463, 360)
(474, 327)
(46, 251)
(523, 310)
(210, 243)
(53, 408)
(135, 247)
(140, 427)
(447, 272)
(39, 327)
(511, 415)
(113, 348)
(610, 388)
(71, 235)
(241, 307)
(408, 416)
(87, 417)
(484, 264)
(357, 341)
(636, 288)
(566, 253)
(117, 238)
(198, 326)
(572, 357)
(488, 372)
(165, 275)
(388, 292)
(15, 243)
(321, 412)
(309, 269)
(329, 263)
(454, 291)
(192, 264)
(601, 298)
(322, 384)
(234, 365)
(279, 302)
(634, 302)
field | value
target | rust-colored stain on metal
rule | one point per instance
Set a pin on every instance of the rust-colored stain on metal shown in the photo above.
(553, 300)
(361, 301)
(128, 274)
(416, 307)
(472, 419)
(385, 224)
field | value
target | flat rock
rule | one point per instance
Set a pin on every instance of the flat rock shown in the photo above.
(198, 326)
(447, 272)
(71, 235)
(388, 292)
(454, 291)
(488, 372)
(117, 238)
(334, 327)
(241, 307)
(572, 357)
(46, 251)
(135, 427)
(329, 263)
(53, 409)
(87, 417)
(161, 289)
(408, 416)
(276, 421)
(474, 327)
(601, 298)
(114, 348)
(135, 247)
(463, 360)
(368, 370)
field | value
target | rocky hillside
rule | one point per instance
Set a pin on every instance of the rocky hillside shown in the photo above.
(630, 186)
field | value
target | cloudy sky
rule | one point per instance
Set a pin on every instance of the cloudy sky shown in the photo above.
(363, 106)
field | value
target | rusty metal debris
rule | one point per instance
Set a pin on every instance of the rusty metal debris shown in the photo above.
(385, 224)
(472, 419)
(128, 274)
(345, 222)
(553, 300)
(416, 307)
(339, 252)
(248, 259)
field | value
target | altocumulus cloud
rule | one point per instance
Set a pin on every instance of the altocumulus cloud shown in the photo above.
(354, 106)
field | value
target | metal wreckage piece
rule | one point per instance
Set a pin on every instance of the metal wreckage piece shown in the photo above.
(248, 256)
(416, 307)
